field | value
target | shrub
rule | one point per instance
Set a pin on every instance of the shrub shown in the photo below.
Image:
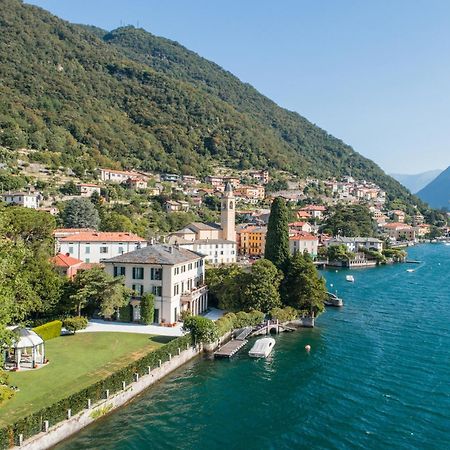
(49, 330)
(33, 423)
(147, 308)
(201, 329)
(284, 314)
(125, 313)
(73, 324)
(5, 393)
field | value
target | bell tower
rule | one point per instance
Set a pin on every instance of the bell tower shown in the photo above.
(228, 214)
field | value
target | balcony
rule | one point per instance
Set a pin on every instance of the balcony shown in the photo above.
(188, 297)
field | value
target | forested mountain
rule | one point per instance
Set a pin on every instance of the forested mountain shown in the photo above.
(437, 193)
(417, 181)
(132, 99)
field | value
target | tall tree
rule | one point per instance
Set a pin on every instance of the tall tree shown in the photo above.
(277, 238)
(80, 213)
(260, 287)
(98, 290)
(147, 308)
(302, 287)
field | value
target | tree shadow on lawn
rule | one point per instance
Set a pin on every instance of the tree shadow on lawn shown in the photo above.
(162, 339)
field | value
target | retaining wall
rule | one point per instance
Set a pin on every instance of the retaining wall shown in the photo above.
(71, 426)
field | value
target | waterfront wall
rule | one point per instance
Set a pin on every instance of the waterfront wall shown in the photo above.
(71, 426)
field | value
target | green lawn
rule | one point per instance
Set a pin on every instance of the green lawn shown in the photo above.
(75, 362)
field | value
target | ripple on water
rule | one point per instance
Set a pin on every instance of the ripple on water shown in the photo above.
(377, 377)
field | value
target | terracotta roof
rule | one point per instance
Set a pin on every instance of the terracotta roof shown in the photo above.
(125, 172)
(102, 236)
(297, 224)
(65, 260)
(314, 208)
(303, 236)
(71, 230)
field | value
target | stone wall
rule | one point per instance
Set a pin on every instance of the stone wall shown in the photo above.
(71, 426)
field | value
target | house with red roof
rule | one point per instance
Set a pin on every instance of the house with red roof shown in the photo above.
(93, 246)
(301, 241)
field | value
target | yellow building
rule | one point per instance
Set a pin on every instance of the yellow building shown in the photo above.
(252, 240)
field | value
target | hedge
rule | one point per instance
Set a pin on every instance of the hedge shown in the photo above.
(33, 423)
(231, 321)
(49, 330)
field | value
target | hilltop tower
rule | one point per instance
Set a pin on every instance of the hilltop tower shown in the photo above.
(228, 214)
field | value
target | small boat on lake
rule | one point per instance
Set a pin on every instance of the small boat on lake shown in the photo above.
(262, 348)
(333, 300)
(350, 278)
(410, 270)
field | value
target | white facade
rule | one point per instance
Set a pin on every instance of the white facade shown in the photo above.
(300, 244)
(175, 276)
(86, 190)
(353, 244)
(92, 247)
(25, 199)
(115, 176)
(216, 251)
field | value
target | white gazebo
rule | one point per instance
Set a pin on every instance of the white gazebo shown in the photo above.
(27, 350)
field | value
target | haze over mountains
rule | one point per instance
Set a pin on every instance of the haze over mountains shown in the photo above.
(415, 182)
(129, 99)
(437, 193)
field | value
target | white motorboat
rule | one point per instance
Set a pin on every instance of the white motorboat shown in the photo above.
(262, 347)
(350, 278)
(410, 270)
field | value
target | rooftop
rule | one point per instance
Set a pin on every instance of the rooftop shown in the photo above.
(102, 236)
(303, 236)
(157, 254)
(65, 260)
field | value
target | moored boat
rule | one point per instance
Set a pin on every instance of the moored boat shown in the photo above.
(350, 278)
(333, 300)
(262, 347)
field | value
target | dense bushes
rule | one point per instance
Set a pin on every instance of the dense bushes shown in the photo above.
(284, 314)
(73, 324)
(147, 308)
(33, 424)
(202, 329)
(242, 319)
(49, 330)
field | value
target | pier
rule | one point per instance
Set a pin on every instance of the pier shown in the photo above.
(230, 348)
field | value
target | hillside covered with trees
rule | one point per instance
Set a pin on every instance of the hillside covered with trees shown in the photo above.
(129, 99)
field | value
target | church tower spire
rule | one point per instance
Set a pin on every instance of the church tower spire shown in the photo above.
(228, 214)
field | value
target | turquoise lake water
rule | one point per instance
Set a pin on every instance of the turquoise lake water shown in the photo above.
(378, 376)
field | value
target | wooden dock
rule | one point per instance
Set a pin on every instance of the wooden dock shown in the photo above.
(230, 348)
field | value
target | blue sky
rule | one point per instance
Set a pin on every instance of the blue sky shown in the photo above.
(374, 73)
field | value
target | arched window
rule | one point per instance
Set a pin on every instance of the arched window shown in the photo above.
(231, 205)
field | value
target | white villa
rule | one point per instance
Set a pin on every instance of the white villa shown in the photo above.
(92, 246)
(174, 275)
(25, 199)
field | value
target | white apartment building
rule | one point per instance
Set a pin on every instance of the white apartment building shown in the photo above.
(115, 176)
(174, 275)
(25, 199)
(355, 243)
(216, 251)
(303, 241)
(92, 246)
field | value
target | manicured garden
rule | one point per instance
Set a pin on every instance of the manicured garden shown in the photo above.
(75, 362)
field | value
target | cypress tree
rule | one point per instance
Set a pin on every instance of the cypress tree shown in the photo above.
(277, 238)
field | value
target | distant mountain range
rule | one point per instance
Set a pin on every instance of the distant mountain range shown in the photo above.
(437, 193)
(417, 181)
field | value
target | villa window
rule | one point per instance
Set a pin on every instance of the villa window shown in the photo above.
(138, 289)
(87, 250)
(157, 291)
(176, 289)
(121, 251)
(138, 273)
(119, 271)
(155, 274)
(71, 250)
(103, 249)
